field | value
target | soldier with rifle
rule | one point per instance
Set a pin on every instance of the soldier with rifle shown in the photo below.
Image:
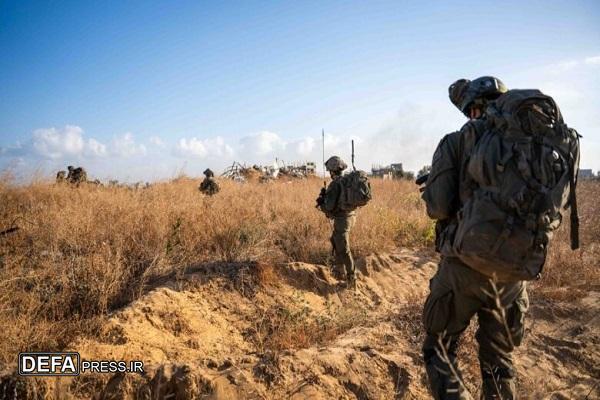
(339, 201)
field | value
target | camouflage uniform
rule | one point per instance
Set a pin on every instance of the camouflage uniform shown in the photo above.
(343, 221)
(61, 176)
(457, 292)
(209, 186)
(77, 175)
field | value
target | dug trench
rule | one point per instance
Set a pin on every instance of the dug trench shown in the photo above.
(254, 331)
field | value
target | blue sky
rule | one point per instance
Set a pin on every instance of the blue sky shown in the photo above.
(144, 90)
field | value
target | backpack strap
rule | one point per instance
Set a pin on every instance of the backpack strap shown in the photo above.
(574, 214)
(573, 195)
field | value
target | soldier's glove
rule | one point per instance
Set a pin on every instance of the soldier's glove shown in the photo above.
(321, 198)
(422, 180)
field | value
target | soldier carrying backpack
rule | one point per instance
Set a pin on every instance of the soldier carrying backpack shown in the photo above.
(497, 188)
(209, 186)
(339, 201)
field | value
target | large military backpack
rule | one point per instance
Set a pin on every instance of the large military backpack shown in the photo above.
(356, 190)
(525, 166)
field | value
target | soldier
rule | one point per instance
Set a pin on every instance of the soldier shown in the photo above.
(458, 292)
(209, 186)
(70, 168)
(77, 175)
(329, 203)
(61, 176)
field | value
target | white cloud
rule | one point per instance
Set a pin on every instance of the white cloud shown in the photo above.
(69, 143)
(331, 142)
(191, 148)
(125, 146)
(217, 147)
(305, 147)
(56, 143)
(262, 143)
(595, 60)
(95, 148)
(59, 143)
(14, 150)
(199, 148)
(570, 65)
(155, 140)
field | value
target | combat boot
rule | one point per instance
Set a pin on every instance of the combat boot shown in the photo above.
(498, 385)
(351, 282)
(338, 273)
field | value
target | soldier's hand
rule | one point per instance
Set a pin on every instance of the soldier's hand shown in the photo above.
(320, 201)
(321, 198)
(422, 181)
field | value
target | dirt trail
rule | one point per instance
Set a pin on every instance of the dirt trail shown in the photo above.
(216, 333)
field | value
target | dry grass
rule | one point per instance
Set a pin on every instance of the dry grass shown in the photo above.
(283, 327)
(81, 252)
(578, 271)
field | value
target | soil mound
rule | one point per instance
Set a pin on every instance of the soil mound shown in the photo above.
(226, 331)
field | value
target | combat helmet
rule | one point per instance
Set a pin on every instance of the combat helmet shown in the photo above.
(208, 172)
(465, 93)
(335, 164)
(457, 92)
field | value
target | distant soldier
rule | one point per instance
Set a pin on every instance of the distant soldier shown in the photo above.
(343, 220)
(61, 176)
(70, 168)
(77, 175)
(209, 185)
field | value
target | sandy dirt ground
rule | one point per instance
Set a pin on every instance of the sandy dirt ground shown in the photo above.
(207, 334)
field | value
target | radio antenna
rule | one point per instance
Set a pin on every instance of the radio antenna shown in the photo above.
(323, 146)
(353, 167)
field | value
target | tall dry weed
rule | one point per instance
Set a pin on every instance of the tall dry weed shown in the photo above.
(81, 252)
(569, 274)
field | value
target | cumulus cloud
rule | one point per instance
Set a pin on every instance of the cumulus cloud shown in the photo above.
(155, 140)
(262, 143)
(125, 146)
(70, 143)
(305, 147)
(95, 148)
(58, 143)
(203, 148)
(191, 148)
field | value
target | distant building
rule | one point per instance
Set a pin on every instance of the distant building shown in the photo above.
(586, 174)
(392, 171)
(311, 168)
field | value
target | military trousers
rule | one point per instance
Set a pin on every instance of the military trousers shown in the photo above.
(457, 294)
(340, 239)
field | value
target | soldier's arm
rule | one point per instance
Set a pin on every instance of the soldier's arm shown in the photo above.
(441, 192)
(331, 197)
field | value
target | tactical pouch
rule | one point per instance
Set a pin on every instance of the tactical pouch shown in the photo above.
(437, 311)
(516, 318)
(445, 240)
(495, 243)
